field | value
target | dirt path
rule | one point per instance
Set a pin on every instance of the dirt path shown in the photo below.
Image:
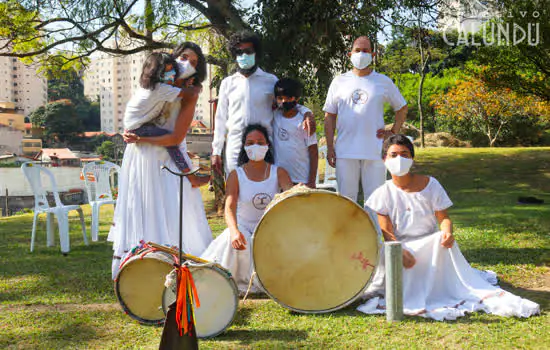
(85, 307)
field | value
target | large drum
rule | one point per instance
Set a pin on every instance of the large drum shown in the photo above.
(218, 296)
(139, 285)
(315, 251)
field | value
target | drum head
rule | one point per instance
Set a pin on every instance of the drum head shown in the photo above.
(315, 251)
(140, 284)
(218, 298)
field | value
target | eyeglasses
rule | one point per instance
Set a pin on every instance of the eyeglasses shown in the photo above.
(248, 51)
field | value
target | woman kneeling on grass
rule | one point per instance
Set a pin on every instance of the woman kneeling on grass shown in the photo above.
(438, 282)
(250, 188)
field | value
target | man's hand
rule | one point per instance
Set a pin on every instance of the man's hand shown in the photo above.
(237, 240)
(217, 164)
(130, 137)
(383, 134)
(309, 123)
(311, 184)
(408, 259)
(447, 240)
(331, 157)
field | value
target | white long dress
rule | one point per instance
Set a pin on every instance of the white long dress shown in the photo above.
(441, 285)
(149, 199)
(253, 198)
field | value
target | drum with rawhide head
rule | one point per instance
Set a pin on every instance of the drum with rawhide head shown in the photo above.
(218, 297)
(139, 284)
(315, 251)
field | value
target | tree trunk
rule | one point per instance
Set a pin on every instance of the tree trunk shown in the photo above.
(423, 63)
(420, 112)
(217, 180)
(149, 18)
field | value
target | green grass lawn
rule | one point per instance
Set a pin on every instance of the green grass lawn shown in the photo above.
(48, 301)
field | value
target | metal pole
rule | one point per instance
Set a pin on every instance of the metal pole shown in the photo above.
(181, 175)
(181, 218)
(394, 281)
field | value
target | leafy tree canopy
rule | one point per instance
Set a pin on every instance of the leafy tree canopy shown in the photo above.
(60, 122)
(523, 66)
(477, 107)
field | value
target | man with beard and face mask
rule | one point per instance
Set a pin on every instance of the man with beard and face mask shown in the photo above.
(355, 109)
(245, 98)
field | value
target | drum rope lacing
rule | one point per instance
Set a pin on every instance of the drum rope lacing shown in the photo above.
(249, 285)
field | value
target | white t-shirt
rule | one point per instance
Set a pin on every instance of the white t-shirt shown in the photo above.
(291, 143)
(145, 105)
(412, 214)
(359, 104)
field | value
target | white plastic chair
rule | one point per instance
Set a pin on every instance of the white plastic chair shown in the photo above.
(329, 181)
(33, 174)
(97, 177)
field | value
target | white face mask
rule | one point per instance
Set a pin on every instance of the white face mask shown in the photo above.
(361, 60)
(185, 69)
(398, 166)
(256, 152)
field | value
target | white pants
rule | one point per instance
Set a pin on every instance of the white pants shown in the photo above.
(371, 173)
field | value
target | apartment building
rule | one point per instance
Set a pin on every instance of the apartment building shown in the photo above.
(10, 139)
(113, 79)
(22, 85)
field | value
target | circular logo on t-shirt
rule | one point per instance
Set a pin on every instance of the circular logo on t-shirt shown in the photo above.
(283, 134)
(359, 97)
(261, 200)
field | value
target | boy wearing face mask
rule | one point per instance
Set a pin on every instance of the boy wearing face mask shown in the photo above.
(245, 98)
(355, 109)
(295, 150)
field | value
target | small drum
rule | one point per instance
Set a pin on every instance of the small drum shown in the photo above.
(139, 285)
(315, 251)
(218, 296)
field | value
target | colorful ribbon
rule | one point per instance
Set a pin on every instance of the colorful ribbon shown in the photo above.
(187, 296)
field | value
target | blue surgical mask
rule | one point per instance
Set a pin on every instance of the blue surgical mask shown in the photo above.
(169, 76)
(246, 61)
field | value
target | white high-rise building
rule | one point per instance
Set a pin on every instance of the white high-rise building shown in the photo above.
(22, 85)
(115, 78)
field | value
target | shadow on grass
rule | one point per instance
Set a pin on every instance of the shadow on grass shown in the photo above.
(69, 335)
(71, 331)
(515, 256)
(243, 314)
(247, 337)
(541, 297)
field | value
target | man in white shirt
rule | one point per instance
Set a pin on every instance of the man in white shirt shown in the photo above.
(245, 97)
(355, 109)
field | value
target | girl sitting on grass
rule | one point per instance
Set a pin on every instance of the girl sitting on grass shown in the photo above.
(438, 282)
